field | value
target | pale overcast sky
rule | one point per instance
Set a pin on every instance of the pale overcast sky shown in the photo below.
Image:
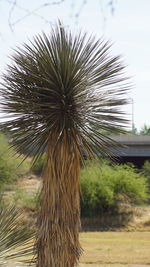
(128, 29)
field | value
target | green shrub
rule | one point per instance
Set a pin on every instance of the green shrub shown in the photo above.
(10, 167)
(37, 167)
(146, 171)
(24, 199)
(102, 188)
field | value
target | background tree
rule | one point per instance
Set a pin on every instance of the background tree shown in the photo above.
(26, 11)
(58, 92)
(145, 130)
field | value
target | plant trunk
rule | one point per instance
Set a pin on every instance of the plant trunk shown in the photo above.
(59, 221)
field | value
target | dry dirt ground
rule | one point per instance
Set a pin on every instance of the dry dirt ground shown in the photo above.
(114, 265)
(95, 265)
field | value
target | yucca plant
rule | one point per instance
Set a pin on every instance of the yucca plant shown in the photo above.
(62, 91)
(15, 237)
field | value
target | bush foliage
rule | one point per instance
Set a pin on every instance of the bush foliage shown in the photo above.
(37, 167)
(146, 171)
(104, 187)
(10, 167)
(26, 200)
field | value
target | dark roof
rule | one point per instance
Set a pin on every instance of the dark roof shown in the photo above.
(132, 139)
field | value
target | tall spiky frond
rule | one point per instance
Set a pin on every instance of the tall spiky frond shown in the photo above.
(16, 238)
(67, 85)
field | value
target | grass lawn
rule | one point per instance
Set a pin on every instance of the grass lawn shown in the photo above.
(115, 249)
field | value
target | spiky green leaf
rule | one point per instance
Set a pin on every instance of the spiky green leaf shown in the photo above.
(16, 237)
(60, 84)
